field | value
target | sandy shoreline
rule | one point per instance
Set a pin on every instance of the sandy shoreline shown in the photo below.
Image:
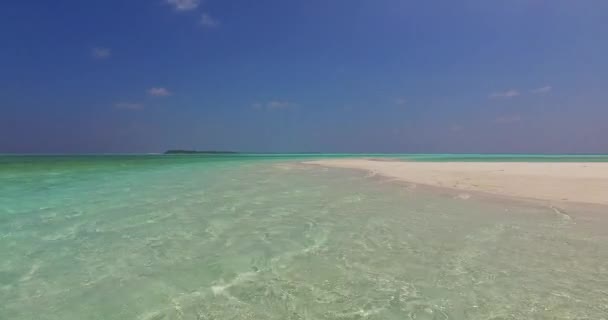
(550, 181)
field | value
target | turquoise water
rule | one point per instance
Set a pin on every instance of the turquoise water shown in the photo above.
(265, 237)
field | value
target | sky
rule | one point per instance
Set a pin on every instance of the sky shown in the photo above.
(138, 76)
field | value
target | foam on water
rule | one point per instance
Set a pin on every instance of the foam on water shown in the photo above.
(255, 239)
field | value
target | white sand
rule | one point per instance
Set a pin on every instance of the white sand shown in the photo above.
(571, 182)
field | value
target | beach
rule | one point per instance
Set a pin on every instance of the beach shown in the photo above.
(151, 237)
(579, 182)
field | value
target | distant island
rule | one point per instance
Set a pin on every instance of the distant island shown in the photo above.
(198, 152)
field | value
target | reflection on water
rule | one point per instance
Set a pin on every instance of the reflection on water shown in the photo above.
(267, 240)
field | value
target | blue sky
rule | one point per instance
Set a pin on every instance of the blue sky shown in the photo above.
(315, 75)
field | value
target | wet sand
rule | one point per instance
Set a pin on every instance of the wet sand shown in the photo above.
(585, 183)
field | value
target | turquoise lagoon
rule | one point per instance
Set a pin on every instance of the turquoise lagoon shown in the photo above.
(265, 237)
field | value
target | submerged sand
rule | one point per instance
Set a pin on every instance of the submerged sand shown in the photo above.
(551, 181)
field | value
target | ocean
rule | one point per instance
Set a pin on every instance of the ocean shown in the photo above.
(157, 237)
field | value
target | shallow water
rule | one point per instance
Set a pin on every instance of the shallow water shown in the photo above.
(241, 238)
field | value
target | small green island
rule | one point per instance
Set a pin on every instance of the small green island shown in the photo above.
(198, 152)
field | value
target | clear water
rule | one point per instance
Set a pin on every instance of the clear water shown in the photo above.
(261, 237)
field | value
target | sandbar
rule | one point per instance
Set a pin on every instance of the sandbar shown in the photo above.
(578, 182)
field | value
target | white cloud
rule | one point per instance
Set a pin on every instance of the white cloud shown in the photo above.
(159, 92)
(129, 105)
(279, 104)
(508, 119)
(274, 105)
(506, 94)
(101, 53)
(209, 21)
(400, 101)
(542, 90)
(184, 5)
